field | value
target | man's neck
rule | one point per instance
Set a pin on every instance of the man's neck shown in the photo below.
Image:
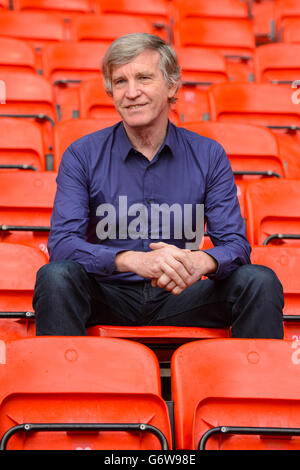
(147, 140)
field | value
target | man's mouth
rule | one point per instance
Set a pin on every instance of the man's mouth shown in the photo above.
(135, 106)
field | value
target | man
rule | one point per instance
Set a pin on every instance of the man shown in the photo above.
(128, 203)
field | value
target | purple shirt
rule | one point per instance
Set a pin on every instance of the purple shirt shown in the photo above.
(106, 192)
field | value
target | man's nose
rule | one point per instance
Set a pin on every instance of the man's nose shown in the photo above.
(132, 90)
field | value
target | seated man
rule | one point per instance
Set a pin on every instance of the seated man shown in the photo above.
(130, 199)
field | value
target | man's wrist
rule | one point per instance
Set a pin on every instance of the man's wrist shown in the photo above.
(206, 262)
(123, 261)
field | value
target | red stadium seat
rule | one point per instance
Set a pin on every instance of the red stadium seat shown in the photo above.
(272, 209)
(81, 393)
(17, 55)
(50, 6)
(156, 10)
(236, 43)
(192, 105)
(253, 151)
(65, 65)
(204, 9)
(26, 201)
(276, 63)
(264, 104)
(285, 262)
(236, 394)
(30, 96)
(21, 145)
(284, 10)
(201, 67)
(66, 132)
(253, 103)
(106, 28)
(17, 279)
(94, 102)
(291, 31)
(37, 28)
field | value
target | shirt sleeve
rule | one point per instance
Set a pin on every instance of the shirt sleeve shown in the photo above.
(70, 218)
(225, 224)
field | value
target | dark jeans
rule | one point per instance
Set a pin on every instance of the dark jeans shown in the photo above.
(67, 300)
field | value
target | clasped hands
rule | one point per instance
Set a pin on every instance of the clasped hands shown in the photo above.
(169, 267)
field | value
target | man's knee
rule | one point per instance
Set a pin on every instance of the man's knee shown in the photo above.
(57, 273)
(258, 275)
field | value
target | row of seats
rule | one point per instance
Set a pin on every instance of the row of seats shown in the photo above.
(62, 63)
(226, 394)
(268, 16)
(31, 97)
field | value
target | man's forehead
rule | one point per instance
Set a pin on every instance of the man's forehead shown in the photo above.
(145, 60)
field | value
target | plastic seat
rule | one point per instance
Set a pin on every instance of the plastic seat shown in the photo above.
(37, 28)
(201, 67)
(65, 65)
(255, 103)
(284, 10)
(66, 132)
(30, 96)
(94, 102)
(192, 105)
(272, 209)
(291, 31)
(21, 145)
(17, 55)
(236, 43)
(26, 201)
(106, 28)
(51, 6)
(17, 279)
(285, 263)
(253, 151)
(276, 63)
(81, 393)
(204, 9)
(156, 10)
(229, 395)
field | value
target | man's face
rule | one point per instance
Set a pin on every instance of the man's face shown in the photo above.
(139, 90)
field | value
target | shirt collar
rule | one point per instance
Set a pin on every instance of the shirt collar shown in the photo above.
(125, 146)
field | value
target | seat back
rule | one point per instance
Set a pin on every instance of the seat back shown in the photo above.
(66, 65)
(85, 393)
(17, 55)
(30, 97)
(17, 279)
(276, 63)
(94, 103)
(26, 201)
(201, 67)
(228, 394)
(253, 103)
(272, 209)
(21, 145)
(36, 28)
(285, 262)
(106, 28)
(291, 31)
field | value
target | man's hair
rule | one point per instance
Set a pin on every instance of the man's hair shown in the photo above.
(126, 48)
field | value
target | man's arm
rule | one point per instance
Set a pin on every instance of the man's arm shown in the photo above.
(70, 218)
